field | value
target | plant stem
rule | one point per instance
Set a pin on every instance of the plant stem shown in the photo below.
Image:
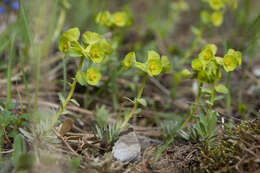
(9, 71)
(194, 108)
(37, 65)
(72, 88)
(135, 104)
(64, 64)
(213, 93)
(228, 96)
(60, 23)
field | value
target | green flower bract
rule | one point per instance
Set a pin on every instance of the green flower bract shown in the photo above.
(129, 60)
(96, 53)
(153, 63)
(93, 76)
(217, 18)
(230, 63)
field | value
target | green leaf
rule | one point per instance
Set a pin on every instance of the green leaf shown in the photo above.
(81, 78)
(26, 134)
(106, 47)
(212, 121)
(184, 135)
(61, 98)
(219, 60)
(66, 112)
(75, 49)
(195, 30)
(129, 60)
(142, 101)
(72, 34)
(91, 37)
(140, 66)
(185, 73)
(241, 108)
(165, 64)
(19, 148)
(6, 118)
(75, 102)
(221, 89)
(75, 52)
(127, 98)
(152, 55)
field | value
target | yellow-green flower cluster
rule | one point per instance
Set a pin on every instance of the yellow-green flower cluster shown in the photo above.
(117, 19)
(92, 46)
(207, 66)
(153, 66)
(231, 60)
(215, 17)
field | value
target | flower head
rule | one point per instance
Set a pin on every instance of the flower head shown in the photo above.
(217, 18)
(15, 5)
(120, 19)
(196, 64)
(104, 18)
(97, 46)
(236, 54)
(93, 76)
(153, 64)
(2, 10)
(216, 4)
(95, 53)
(229, 63)
(207, 54)
(71, 35)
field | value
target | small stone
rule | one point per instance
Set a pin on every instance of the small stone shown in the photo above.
(127, 148)
(256, 71)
